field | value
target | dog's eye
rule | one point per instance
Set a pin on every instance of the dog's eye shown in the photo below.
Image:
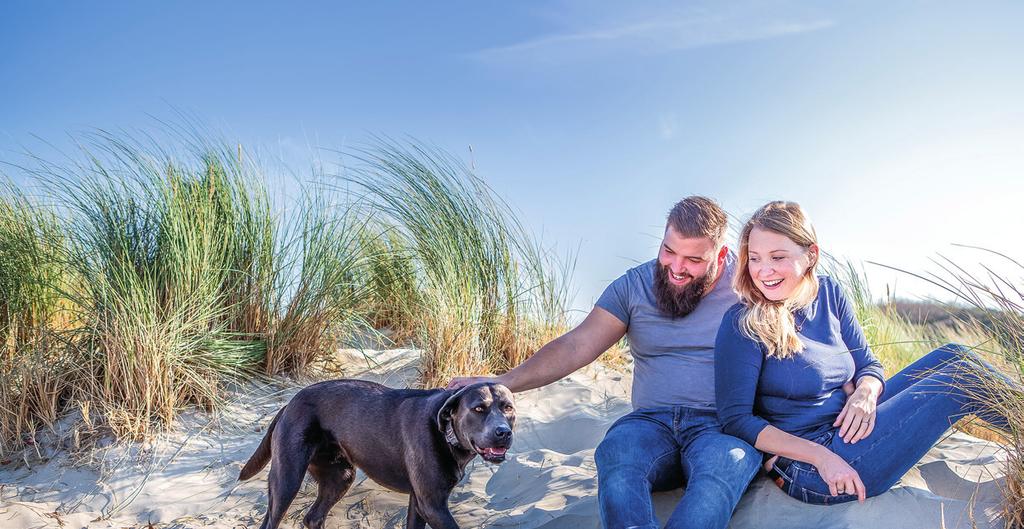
(508, 408)
(479, 409)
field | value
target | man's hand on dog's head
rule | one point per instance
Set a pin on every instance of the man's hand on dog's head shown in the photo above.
(461, 382)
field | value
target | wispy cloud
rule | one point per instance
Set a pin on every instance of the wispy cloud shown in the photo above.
(655, 33)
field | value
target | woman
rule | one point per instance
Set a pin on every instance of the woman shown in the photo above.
(795, 377)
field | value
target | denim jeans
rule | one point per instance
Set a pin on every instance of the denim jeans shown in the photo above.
(916, 408)
(662, 449)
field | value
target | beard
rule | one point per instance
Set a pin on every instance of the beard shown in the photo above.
(676, 302)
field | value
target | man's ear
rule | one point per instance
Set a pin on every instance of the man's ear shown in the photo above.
(445, 413)
(722, 255)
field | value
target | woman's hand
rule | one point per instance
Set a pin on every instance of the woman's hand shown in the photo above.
(840, 476)
(857, 420)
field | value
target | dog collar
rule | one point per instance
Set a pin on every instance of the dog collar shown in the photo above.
(449, 435)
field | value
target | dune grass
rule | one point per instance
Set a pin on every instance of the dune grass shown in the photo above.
(174, 273)
(472, 288)
(156, 275)
(35, 362)
(173, 258)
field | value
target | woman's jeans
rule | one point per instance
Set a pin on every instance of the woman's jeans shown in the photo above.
(916, 408)
(661, 449)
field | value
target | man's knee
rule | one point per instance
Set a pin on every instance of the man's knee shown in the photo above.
(744, 460)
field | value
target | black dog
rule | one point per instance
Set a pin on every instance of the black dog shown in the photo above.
(412, 441)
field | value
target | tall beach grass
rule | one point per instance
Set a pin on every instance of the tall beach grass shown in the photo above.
(452, 266)
(175, 273)
(161, 270)
(35, 361)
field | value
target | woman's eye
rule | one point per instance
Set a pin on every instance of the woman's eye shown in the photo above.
(777, 258)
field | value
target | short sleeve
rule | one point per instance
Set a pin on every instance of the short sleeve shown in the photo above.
(615, 299)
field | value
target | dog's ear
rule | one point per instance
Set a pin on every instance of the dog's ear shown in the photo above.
(445, 413)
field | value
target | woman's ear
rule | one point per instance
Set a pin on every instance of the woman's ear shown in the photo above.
(814, 253)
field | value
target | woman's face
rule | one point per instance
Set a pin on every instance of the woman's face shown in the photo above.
(777, 264)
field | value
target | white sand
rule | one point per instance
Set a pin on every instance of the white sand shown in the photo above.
(187, 478)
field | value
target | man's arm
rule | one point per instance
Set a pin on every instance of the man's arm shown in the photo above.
(563, 355)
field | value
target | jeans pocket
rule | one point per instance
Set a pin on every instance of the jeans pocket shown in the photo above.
(782, 473)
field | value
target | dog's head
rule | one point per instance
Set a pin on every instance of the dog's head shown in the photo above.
(480, 417)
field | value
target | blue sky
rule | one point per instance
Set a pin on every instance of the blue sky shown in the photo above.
(898, 125)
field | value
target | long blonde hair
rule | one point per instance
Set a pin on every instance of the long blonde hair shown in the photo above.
(771, 322)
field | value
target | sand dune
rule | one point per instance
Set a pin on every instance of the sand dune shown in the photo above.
(187, 478)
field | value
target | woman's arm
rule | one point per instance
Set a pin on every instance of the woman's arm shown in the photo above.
(738, 362)
(840, 476)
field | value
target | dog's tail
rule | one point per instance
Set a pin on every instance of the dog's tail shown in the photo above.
(259, 458)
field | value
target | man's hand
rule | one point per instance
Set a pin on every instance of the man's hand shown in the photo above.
(461, 382)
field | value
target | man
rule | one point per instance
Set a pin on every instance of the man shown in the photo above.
(670, 309)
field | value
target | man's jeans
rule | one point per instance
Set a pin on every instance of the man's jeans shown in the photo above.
(917, 407)
(663, 449)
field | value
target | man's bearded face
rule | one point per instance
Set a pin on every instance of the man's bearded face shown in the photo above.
(677, 301)
(687, 269)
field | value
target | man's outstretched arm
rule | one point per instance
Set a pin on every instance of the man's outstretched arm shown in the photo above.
(561, 356)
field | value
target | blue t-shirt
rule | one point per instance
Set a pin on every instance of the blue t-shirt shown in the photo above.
(803, 394)
(673, 359)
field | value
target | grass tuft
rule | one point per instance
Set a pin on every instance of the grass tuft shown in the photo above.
(467, 282)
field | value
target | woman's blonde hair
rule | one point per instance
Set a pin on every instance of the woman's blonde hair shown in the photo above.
(771, 322)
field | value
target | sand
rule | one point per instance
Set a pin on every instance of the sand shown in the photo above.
(187, 478)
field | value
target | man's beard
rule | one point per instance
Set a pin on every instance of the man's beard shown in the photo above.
(676, 302)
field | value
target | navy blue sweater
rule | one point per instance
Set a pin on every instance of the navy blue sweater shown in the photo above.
(803, 394)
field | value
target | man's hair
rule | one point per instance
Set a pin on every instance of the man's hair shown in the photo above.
(698, 216)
